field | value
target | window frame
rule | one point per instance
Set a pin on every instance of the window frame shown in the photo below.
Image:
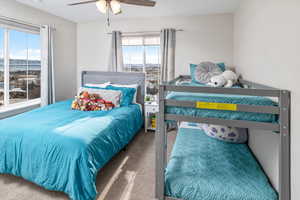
(143, 36)
(6, 57)
(144, 46)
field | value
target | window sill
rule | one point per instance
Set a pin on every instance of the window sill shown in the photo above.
(18, 108)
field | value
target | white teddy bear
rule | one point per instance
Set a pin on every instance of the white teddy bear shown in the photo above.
(226, 79)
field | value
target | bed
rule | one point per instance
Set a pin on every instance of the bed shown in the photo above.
(221, 98)
(251, 105)
(63, 149)
(199, 166)
(223, 114)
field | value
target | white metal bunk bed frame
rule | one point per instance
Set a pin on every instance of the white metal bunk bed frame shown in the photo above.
(250, 89)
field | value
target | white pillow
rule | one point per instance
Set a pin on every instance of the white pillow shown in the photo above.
(136, 86)
(101, 85)
(191, 125)
(108, 95)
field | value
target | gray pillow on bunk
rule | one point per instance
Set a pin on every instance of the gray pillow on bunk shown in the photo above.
(205, 70)
(227, 134)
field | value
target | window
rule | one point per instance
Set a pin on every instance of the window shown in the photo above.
(142, 54)
(20, 66)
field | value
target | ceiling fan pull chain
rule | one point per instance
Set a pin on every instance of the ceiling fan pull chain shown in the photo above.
(108, 17)
(108, 21)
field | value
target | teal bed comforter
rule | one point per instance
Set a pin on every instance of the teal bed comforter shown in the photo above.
(62, 149)
(203, 168)
(221, 98)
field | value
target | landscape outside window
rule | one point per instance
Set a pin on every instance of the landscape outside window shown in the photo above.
(24, 67)
(142, 54)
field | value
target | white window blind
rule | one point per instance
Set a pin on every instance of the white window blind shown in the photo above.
(10, 23)
(151, 40)
(140, 40)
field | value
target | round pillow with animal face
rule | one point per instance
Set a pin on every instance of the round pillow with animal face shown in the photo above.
(205, 70)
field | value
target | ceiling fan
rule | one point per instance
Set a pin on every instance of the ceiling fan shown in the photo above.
(114, 6)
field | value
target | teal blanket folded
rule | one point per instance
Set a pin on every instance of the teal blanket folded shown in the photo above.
(62, 149)
(202, 168)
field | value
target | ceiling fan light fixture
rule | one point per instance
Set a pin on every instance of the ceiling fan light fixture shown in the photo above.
(115, 7)
(102, 6)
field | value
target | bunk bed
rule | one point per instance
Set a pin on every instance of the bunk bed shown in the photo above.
(244, 107)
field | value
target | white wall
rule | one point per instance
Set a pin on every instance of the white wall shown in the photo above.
(266, 50)
(65, 43)
(208, 37)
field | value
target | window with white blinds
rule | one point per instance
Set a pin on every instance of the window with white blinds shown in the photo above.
(142, 54)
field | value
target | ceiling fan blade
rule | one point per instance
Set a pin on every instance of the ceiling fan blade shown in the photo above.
(139, 2)
(83, 2)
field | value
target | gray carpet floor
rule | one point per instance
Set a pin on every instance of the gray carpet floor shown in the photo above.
(128, 176)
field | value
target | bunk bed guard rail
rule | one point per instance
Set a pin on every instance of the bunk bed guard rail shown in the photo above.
(249, 89)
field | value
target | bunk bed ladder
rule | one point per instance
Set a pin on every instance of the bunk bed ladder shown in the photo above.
(161, 146)
(284, 152)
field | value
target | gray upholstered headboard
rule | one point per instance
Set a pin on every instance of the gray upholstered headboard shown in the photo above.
(117, 78)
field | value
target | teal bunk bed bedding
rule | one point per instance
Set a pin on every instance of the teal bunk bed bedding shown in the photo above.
(202, 168)
(63, 149)
(221, 98)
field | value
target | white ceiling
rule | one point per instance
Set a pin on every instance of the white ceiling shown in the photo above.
(163, 8)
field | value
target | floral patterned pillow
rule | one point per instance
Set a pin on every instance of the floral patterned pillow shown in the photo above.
(86, 101)
(227, 134)
(109, 95)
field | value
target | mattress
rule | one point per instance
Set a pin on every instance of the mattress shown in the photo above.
(221, 98)
(204, 168)
(63, 149)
